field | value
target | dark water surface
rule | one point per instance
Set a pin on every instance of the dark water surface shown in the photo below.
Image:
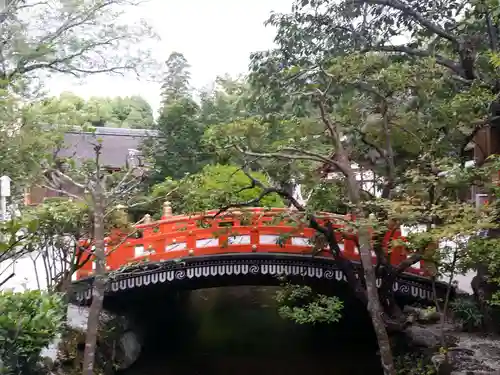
(237, 331)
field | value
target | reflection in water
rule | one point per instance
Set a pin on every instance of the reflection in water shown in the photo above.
(236, 330)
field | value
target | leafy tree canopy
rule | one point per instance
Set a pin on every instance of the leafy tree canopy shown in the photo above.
(226, 101)
(351, 104)
(24, 142)
(119, 112)
(77, 38)
(70, 38)
(177, 150)
(215, 186)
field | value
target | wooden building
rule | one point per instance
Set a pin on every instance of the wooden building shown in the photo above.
(485, 143)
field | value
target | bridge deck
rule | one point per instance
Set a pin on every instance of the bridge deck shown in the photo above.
(255, 230)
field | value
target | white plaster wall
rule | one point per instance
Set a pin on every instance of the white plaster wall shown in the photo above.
(465, 280)
(29, 273)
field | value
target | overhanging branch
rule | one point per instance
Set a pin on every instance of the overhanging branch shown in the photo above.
(405, 264)
(267, 190)
(7, 279)
(328, 231)
(441, 60)
(411, 12)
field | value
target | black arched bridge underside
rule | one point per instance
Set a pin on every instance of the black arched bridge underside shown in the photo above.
(191, 273)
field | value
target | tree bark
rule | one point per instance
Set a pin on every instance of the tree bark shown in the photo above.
(99, 283)
(374, 307)
(483, 293)
(387, 297)
(365, 250)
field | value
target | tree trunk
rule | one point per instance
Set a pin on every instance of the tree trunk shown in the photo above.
(388, 300)
(374, 306)
(365, 250)
(483, 293)
(98, 285)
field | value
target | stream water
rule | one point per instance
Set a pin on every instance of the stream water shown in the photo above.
(237, 331)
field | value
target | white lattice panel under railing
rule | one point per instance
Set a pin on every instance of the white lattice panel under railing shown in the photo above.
(268, 239)
(207, 242)
(301, 241)
(239, 240)
(176, 246)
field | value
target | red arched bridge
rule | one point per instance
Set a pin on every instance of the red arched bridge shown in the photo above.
(245, 247)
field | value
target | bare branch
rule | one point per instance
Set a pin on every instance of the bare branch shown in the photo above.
(405, 264)
(128, 184)
(326, 121)
(312, 154)
(58, 64)
(441, 60)
(266, 190)
(4, 281)
(327, 231)
(60, 191)
(329, 124)
(282, 155)
(418, 17)
(388, 154)
(138, 204)
(123, 182)
(63, 176)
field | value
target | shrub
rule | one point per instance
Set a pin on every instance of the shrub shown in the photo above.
(301, 305)
(414, 363)
(467, 312)
(29, 321)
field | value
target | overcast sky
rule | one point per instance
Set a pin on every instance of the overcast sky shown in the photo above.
(216, 36)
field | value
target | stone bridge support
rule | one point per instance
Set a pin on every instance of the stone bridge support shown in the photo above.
(120, 340)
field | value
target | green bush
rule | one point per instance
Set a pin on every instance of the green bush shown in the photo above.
(466, 311)
(29, 321)
(414, 363)
(301, 305)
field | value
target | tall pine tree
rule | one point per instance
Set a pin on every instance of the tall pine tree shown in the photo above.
(177, 150)
(176, 84)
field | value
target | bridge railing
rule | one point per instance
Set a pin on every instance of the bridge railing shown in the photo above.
(255, 230)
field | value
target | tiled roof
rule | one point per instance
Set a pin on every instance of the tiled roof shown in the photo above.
(116, 143)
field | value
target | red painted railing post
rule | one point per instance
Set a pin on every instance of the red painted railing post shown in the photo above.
(254, 238)
(191, 242)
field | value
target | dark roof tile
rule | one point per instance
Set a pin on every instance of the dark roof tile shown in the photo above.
(116, 143)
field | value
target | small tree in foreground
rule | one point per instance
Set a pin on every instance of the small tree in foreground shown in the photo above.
(102, 192)
(60, 226)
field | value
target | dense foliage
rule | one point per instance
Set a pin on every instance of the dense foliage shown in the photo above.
(40, 39)
(177, 151)
(28, 324)
(215, 186)
(118, 112)
(301, 305)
